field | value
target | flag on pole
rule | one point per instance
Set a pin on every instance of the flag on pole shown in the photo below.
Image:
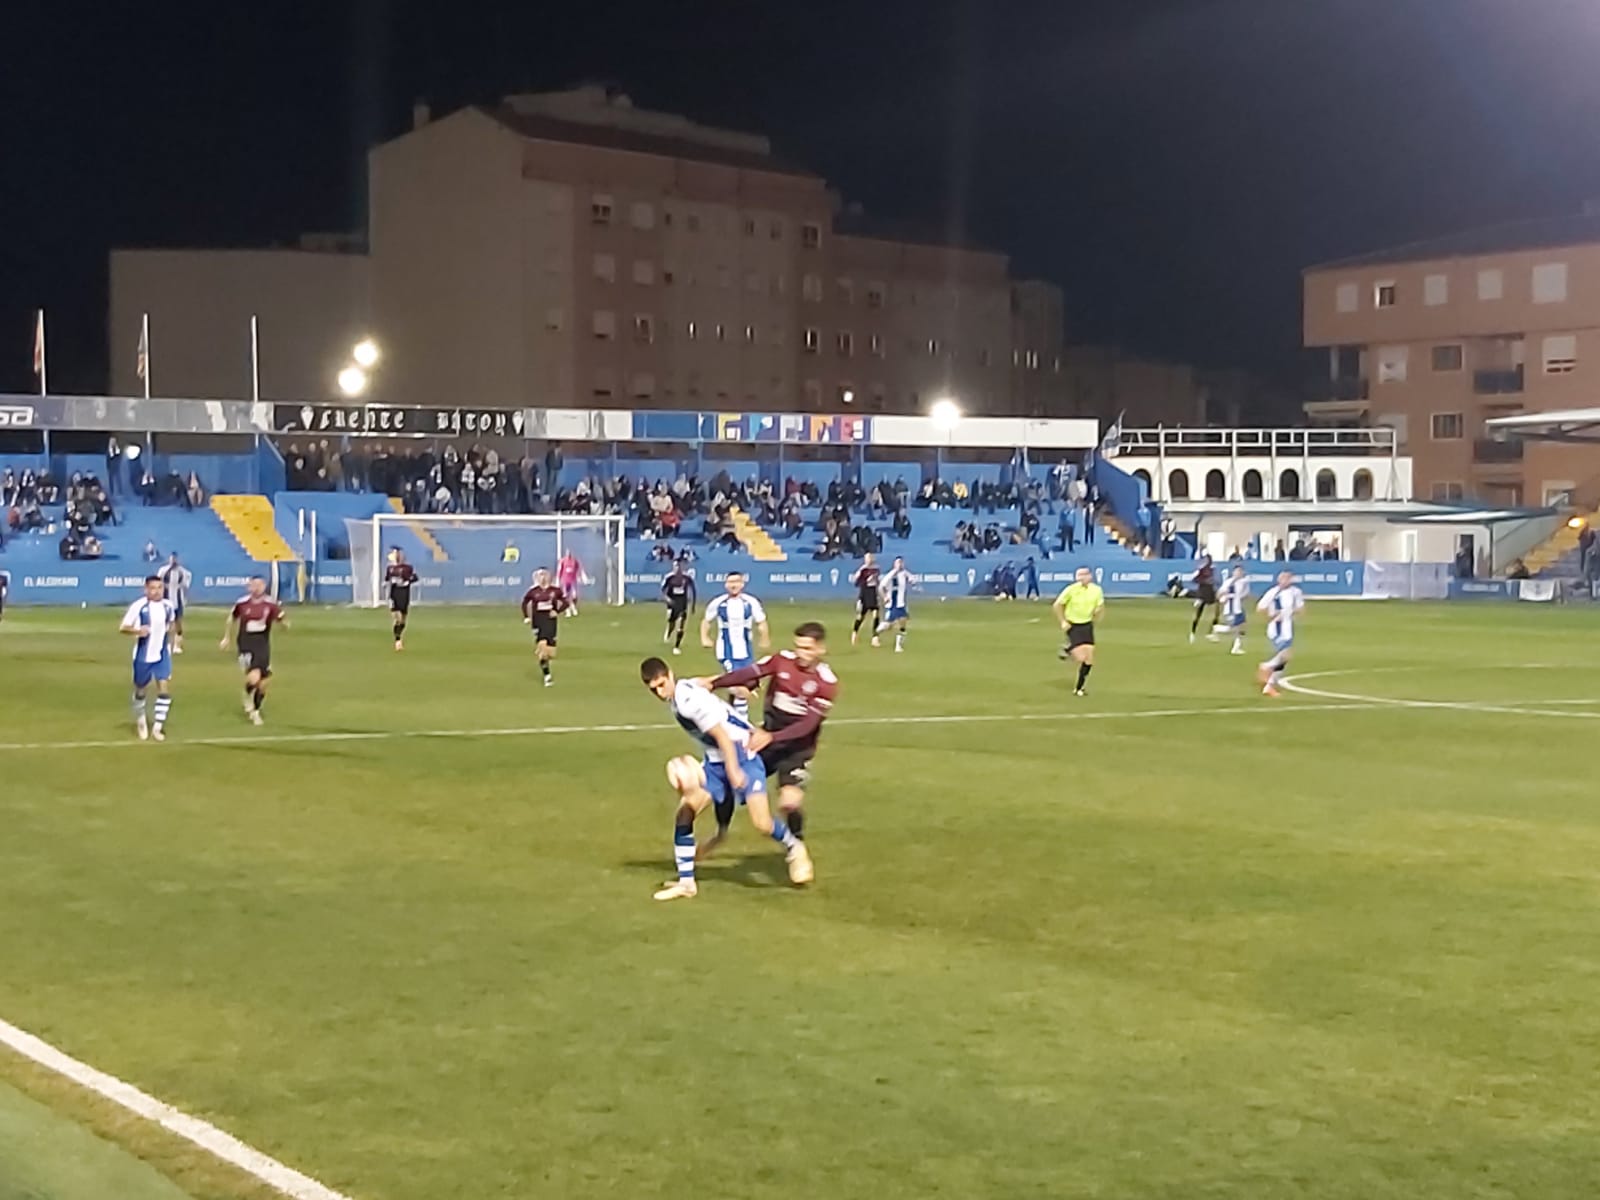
(1111, 444)
(38, 353)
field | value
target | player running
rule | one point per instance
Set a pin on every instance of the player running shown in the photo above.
(738, 618)
(1283, 603)
(801, 689)
(1205, 593)
(176, 579)
(542, 604)
(896, 589)
(729, 767)
(866, 577)
(1080, 604)
(1234, 598)
(151, 619)
(677, 592)
(249, 627)
(569, 574)
(401, 577)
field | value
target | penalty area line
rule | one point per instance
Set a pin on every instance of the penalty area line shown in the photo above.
(380, 735)
(206, 1136)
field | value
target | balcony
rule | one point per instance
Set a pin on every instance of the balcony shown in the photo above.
(1492, 452)
(1345, 389)
(1497, 383)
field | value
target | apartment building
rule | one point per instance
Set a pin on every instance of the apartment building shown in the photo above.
(1436, 337)
(568, 249)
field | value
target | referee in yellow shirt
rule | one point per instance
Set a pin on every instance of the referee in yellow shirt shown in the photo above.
(1079, 606)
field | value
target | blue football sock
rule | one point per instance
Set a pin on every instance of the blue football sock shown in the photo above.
(782, 835)
(683, 852)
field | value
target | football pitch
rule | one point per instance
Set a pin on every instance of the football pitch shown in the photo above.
(1171, 940)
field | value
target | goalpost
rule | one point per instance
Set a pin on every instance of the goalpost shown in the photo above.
(466, 559)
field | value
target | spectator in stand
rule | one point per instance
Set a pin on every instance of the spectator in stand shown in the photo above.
(901, 526)
(1586, 551)
(151, 554)
(113, 464)
(194, 493)
(9, 492)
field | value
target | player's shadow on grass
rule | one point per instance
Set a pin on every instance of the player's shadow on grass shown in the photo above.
(753, 870)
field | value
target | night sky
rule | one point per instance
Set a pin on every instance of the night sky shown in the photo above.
(1172, 166)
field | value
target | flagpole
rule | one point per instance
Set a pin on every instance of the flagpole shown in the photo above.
(44, 383)
(144, 343)
(255, 362)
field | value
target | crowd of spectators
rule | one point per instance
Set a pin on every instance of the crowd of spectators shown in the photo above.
(88, 504)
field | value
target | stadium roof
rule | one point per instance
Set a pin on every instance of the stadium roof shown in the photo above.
(580, 133)
(1575, 229)
(1563, 425)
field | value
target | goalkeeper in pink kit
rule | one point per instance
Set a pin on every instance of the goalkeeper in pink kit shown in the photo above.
(569, 574)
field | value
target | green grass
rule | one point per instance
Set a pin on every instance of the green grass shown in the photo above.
(45, 1157)
(1311, 948)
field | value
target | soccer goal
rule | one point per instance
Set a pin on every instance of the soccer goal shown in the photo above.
(484, 560)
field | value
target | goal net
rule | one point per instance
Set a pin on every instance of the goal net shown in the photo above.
(484, 560)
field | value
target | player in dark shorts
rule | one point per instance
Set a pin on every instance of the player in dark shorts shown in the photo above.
(542, 605)
(1205, 594)
(5, 586)
(866, 578)
(401, 576)
(250, 629)
(801, 689)
(677, 592)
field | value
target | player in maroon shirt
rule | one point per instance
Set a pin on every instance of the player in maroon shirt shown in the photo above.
(541, 605)
(801, 689)
(252, 619)
(400, 577)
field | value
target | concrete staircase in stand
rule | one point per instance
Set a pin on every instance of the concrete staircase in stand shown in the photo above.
(251, 521)
(754, 538)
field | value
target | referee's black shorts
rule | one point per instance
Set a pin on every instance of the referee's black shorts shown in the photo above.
(1080, 635)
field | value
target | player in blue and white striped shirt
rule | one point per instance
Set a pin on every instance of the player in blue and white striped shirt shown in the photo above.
(729, 768)
(1233, 597)
(896, 589)
(150, 619)
(1283, 604)
(739, 620)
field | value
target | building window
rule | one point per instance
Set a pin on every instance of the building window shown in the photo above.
(1550, 283)
(811, 235)
(1345, 298)
(644, 329)
(643, 214)
(847, 291)
(1178, 484)
(691, 330)
(875, 345)
(749, 227)
(666, 219)
(604, 325)
(1289, 484)
(1447, 358)
(605, 267)
(1449, 490)
(1491, 283)
(875, 294)
(1560, 354)
(1327, 484)
(844, 341)
(1447, 427)
(749, 335)
(600, 210)
(643, 387)
(1033, 360)
(811, 287)
(813, 339)
(814, 393)
(1383, 294)
(1435, 290)
(933, 347)
(666, 275)
(644, 272)
(1251, 484)
(1392, 363)
(984, 357)
(722, 332)
(554, 318)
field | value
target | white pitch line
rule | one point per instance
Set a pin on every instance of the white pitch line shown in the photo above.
(378, 735)
(203, 1134)
(1293, 683)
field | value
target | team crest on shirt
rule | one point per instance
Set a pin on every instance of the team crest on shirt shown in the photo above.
(810, 686)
